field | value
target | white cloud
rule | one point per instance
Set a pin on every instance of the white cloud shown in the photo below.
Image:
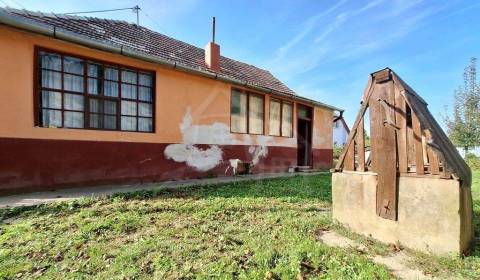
(307, 27)
(347, 34)
(339, 20)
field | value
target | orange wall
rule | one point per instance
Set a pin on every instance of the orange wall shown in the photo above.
(322, 129)
(209, 100)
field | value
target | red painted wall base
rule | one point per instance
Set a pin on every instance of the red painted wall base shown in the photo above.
(34, 165)
(322, 158)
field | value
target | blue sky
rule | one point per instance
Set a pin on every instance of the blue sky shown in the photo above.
(321, 49)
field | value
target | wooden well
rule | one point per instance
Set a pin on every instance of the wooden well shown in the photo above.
(410, 185)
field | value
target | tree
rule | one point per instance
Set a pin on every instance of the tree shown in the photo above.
(464, 126)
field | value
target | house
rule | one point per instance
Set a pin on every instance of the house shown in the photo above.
(88, 101)
(340, 131)
(474, 150)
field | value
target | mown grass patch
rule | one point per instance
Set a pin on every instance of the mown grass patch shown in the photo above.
(244, 230)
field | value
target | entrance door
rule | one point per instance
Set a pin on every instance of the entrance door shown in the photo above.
(304, 136)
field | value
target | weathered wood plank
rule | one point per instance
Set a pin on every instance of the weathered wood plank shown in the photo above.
(351, 136)
(433, 161)
(401, 121)
(445, 174)
(410, 148)
(382, 76)
(454, 163)
(384, 150)
(424, 148)
(417, 140)
(349, 163)
(360, 141)
(375, 119)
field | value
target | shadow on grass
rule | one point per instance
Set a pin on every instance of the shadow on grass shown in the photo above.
(292, 189)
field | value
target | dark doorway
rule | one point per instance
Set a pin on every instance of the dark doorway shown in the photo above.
(304, 136)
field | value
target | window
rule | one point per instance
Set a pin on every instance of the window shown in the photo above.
(81, 93)
(255, 114)
(275, 117)
(246, 112)
(287, 119)
(238, 112)
(281, 118)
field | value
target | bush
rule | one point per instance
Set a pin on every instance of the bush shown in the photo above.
(473, 161)
(337, 151)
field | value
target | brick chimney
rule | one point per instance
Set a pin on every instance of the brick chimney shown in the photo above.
(212, 52)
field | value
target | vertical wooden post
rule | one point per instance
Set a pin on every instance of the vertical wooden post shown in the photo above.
(433, 163)
(360, 140)
(384, 152)
(424, 148)
(349, 163)
(401, 122)
(417, 140)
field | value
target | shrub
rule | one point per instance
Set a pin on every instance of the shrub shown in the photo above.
(473, 161)
(337, 151)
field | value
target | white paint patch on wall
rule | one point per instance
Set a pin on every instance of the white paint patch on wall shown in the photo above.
(202, 160)
(257, 153)
(216, 133)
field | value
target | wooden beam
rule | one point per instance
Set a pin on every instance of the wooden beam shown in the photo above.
(360, 141)
(417, 140)
(424, 148)
(410, 147)
(383, 151)
(433, 163)
(353, 131)
(401, 121)
(453, 162)
(382, 76)
(350, 159)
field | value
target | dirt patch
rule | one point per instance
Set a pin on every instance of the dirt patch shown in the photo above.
(332, 238)
(397, 262)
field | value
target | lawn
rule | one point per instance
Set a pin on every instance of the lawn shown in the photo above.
(247, 230)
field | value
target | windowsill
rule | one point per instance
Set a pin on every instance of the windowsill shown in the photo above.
(280, 136)
(248, 133)
(268, 135)
(92, 129)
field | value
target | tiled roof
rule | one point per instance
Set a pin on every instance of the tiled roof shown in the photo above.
(149, 42)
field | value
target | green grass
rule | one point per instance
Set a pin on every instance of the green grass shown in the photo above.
(248, 230)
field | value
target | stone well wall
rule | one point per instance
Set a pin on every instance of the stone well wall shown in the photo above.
(434, 215)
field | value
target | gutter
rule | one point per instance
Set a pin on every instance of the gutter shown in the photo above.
(65, 35)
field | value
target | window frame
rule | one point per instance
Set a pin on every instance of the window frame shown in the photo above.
(282, 102)
(247, 93)
(37, 91)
